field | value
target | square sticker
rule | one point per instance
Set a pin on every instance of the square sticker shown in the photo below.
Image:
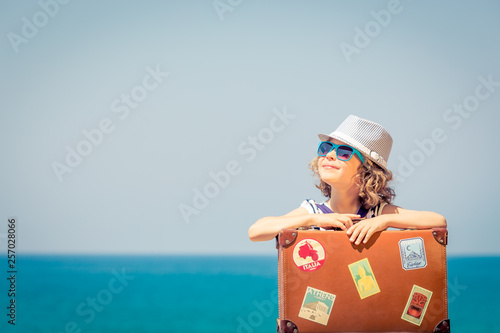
(412, 253)
(317, 305)
(364, 279)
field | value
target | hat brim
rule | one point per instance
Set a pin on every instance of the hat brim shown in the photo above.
(332, 136)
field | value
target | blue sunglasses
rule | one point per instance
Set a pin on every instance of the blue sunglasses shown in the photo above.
(344, 152)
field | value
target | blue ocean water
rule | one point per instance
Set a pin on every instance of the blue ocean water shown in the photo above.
(73, 294)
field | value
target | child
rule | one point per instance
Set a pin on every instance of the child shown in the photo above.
(352, 169)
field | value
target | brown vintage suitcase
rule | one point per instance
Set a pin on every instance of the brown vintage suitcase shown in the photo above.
(395, 283)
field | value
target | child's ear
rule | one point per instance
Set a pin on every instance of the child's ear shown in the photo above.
(357, 180)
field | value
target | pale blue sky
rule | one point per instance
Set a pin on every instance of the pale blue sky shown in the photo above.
(227, 81)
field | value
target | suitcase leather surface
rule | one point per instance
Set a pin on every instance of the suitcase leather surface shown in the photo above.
(395, 283)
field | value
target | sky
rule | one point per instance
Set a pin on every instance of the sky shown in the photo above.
(169, 127)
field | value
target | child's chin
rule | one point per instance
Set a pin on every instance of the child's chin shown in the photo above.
(329, 177)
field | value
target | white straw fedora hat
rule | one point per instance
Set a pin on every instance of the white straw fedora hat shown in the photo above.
(371, 139)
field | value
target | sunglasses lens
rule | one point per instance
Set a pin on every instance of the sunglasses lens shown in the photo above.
(324, 148)
(344, 153)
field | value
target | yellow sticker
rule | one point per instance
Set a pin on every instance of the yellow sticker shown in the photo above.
(364, 279)
(417, 304)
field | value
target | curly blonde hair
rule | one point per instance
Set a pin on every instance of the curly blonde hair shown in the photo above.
(373, 183)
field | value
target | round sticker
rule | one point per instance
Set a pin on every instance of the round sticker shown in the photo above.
(308, 255)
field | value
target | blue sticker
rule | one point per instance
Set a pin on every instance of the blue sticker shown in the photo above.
(412, 253)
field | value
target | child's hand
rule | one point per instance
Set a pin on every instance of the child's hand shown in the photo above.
(363, 230)
(329, 221)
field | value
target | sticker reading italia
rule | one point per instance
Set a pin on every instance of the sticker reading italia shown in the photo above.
(308, 255)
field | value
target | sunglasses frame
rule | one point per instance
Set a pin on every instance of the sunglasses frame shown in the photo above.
(335, 146)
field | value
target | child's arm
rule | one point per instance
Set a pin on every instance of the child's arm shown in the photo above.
(268, 227)
(395, 217)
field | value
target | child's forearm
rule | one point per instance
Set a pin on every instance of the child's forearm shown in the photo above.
(268, 227)
(414, 220)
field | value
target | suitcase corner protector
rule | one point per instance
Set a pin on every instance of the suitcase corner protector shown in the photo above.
(443, 326)
(286, 326)
(286, 237)
(441, 235)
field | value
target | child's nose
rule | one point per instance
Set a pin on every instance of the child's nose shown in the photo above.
(332, 155)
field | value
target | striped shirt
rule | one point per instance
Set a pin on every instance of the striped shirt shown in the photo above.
(322, 208)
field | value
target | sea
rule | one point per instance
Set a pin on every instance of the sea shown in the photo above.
(219, 294)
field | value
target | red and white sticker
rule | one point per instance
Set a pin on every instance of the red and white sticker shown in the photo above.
(308, 254)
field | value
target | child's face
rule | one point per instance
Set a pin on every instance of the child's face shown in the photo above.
(336, 172)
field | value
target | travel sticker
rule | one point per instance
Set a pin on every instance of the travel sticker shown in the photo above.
(412, 253)
(317, 305)
(364, 279)
(417, 305)
(308, 255)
